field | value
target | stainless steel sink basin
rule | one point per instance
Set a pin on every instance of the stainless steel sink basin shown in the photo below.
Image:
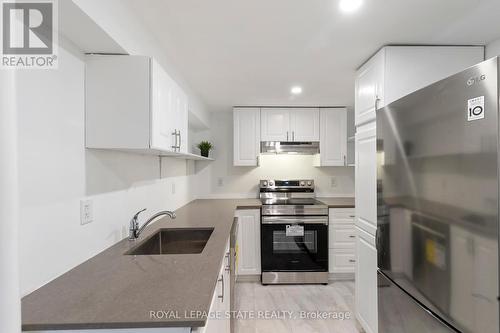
(174, 241)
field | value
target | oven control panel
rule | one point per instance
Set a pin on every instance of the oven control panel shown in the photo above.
(287, 184)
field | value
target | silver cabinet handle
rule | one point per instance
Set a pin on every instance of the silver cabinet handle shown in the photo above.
(286, 135)
(228, 262)
(352, 236)
(345, 162)
(180, 140)
(221, 279)
(293, 135)
(352, 260)
(377, 99)
(174, 133)
(353, 216)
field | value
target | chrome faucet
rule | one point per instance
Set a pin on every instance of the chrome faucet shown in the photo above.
(135, 231)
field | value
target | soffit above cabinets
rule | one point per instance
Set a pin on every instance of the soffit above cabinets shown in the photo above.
(80, 29)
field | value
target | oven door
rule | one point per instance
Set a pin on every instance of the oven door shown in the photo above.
(292, 243)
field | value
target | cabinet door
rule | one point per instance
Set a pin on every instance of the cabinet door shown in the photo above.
(366, 281)
(246, 126)
(366, 177)
(226, 300)
(409, 68)
(369, 88)
(333, 142)
(275, 124)
(163, 109)
(304, 124)
(117, 102)
(248, 243)
(181, 118)
(341, 261)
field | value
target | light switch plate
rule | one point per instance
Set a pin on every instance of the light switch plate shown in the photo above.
(86, 211)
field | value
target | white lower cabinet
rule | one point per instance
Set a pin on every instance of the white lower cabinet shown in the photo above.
(248, 242)
(366, 281)
(218, 320)
(341, 241)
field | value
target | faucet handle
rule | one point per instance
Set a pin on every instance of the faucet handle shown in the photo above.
(137, 214)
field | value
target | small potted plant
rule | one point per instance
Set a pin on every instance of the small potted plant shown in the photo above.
(204, 148)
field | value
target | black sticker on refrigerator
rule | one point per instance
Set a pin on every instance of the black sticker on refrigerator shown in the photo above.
(475, 108)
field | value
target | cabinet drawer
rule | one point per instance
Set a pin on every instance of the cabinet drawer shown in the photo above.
(342, 215)
(341, 261)
(342, 236)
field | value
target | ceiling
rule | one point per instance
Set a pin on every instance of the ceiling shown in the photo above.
(252, 52)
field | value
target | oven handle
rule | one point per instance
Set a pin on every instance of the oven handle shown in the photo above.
(294, 220)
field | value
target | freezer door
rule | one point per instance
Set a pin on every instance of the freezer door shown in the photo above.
(437, 228)
(399, 313)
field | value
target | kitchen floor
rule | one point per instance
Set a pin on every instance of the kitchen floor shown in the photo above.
(297, 308)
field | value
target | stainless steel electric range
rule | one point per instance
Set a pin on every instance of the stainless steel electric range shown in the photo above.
(294, 233)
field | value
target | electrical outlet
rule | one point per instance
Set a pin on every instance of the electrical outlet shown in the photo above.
(173, 188)
(220, 181)
(333, 182)
(86, 211)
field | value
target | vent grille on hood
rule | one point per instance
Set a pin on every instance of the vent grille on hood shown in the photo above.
(283, 147)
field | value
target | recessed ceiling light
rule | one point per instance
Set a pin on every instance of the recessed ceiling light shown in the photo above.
(349, 6)
(296, 90)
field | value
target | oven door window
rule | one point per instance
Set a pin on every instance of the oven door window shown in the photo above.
(306, 244)
(282, 252)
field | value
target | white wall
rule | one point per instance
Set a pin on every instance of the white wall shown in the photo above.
(10, 309)
(493, 49)
(243, 181)
(56, 172)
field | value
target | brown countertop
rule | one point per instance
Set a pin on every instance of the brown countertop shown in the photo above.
(340, 202)
(113, 290)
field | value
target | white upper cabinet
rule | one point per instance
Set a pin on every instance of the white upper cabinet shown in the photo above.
(369, 88)
(162, 109)
(133, 104)
(333, 138)
(396, 71)
(290, 124)
(275, 124)
(246, 136)
(304, 124)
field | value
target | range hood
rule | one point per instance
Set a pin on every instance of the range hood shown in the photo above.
(284, 147)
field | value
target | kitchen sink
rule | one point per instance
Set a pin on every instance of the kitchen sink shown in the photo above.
(174, 241)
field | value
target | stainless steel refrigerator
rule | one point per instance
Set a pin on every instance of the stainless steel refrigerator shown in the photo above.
(438, 206)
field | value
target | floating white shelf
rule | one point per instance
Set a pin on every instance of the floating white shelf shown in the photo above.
(190, 156)
(161, 153)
